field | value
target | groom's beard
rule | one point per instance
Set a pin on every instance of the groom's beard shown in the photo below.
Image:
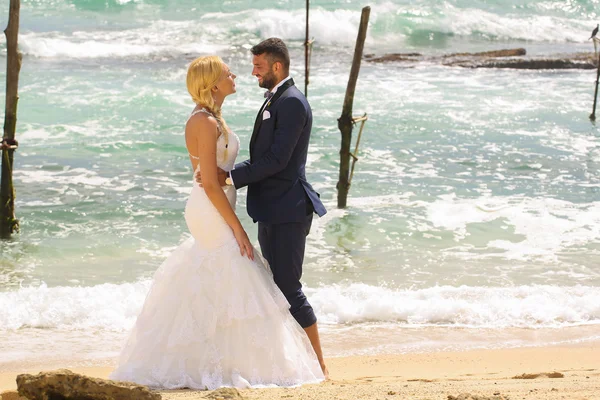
(269, 81)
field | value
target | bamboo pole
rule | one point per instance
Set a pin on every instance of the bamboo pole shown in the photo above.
(593, 114)
(306, 44)
(8, 222)
(345, 122)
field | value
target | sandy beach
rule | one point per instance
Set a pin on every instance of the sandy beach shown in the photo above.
(526, 373)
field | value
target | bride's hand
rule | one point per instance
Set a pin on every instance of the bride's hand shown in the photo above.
(246, 248)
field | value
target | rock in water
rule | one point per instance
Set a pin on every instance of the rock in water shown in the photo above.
(66, 385)
(493, 53)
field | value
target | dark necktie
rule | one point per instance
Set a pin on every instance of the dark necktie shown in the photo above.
(268, 94)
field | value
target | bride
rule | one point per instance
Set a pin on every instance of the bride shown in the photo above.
(213, 316)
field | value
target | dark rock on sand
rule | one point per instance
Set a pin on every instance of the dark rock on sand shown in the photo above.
(66, 385)
(225, 394)
(11, 395)
(469, 396)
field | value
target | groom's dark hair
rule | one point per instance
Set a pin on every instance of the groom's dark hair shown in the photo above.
(275, 50)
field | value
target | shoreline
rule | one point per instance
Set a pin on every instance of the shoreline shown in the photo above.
(27, 348)
(497, 374)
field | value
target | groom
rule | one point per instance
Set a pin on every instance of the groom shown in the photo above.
(279, 196)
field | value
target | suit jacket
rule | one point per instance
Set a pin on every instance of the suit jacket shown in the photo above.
(278, 191)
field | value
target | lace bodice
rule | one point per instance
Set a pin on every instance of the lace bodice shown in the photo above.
(227, 147)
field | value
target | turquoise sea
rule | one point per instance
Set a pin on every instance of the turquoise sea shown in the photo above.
(474, 215)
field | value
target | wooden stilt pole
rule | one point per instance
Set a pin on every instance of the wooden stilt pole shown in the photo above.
(8, 222)
(593, 114)
(345, 122)
(307, 52)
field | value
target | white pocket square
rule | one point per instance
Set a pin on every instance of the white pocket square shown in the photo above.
(266, 115)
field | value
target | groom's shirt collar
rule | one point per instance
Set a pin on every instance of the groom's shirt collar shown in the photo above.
(274, 90)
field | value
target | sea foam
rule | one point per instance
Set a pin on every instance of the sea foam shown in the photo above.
(113, 307)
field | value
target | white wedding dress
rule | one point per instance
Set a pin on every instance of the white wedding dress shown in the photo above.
(212, 317)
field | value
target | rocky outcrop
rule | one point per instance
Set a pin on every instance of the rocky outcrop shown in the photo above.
(394, 57)
(415, 57)
(533, 63)
(492, 54)
(504, 58)
(66, 385)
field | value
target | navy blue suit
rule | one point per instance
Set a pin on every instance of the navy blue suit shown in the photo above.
(280, 198)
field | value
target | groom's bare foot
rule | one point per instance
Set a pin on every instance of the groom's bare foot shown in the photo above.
(313, 335)
(325, 370)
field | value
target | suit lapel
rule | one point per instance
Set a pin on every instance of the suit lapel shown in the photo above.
(258, 122)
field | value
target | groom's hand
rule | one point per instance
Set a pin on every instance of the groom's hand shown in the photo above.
(221, 176)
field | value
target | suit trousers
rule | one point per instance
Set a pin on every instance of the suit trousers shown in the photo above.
(282, 245)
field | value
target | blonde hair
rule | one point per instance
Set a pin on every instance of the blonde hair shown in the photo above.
(202, 75)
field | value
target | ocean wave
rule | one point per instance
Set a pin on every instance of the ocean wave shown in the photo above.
(138, 42)
(391, 26)
(536, 28)
(211, 33)
(475, 307)
(543, 227)
(430, 23)
(113, 307)
(107, 306)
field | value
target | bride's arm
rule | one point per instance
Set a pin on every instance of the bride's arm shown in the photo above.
(201, 132)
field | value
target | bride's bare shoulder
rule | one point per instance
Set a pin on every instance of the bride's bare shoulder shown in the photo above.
(200, 123)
